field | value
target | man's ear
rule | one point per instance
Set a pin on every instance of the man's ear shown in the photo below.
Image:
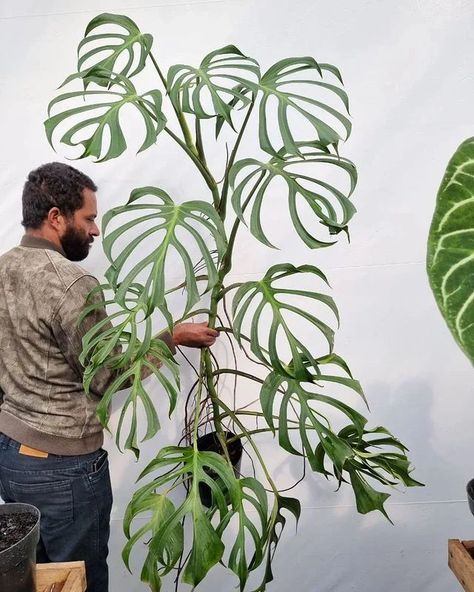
(55, 218)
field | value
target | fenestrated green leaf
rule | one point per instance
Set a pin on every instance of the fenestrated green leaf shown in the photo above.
(100, 114)
(308, 402)
(104, 48)
(275, 530)
(450, 257)
(127, 360)
(265, 294)
(176, 464)
(330, 205)
(223, 77)
(159, 509)
(252, 535)
(377, 455)
(170, 217)
(156, 356)
(280, 83)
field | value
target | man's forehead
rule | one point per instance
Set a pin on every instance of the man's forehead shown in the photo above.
(90, 200)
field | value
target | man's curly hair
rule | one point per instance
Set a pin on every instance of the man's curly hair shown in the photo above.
(53, 185)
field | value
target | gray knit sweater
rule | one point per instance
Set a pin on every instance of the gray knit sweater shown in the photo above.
(42, 400)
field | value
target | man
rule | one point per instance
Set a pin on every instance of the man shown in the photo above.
(50, 437)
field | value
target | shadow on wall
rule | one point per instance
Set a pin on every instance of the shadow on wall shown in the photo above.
(410, 411)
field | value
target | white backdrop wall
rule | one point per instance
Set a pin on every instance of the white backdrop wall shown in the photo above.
(407, 67)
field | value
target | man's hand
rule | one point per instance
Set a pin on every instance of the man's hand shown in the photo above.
(194, 335)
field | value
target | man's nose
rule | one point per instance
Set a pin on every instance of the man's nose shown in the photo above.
(95, 230)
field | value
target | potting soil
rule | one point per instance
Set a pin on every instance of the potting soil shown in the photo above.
(14, 527)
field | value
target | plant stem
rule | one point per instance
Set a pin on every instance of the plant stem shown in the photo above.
(195, 153)
(198, 401)
(226, 264)
(179, 114)
(225, 188)
(199, 144)
(215, 297)
(252, 444)
(210, 181)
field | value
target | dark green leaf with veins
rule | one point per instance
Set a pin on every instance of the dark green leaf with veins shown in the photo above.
(265, 295)
(176, 465)
(282, 82)
(98, 117)
(103, 49)
(450, 258)
(198, 218)
(329, 204)
(308, 401)
(223, 77)
(118, 348)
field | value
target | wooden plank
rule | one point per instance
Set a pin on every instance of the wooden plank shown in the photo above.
(461, 562)
(469, 545)
(61, 577)
(73, 582)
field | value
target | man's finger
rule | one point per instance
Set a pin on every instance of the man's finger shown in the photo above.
(213, 332)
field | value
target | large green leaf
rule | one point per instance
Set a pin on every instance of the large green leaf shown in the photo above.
(176, 465)
(251, 534)
(308, 403)
(275, 529)
(450, 260)
(265, 296)
(280, 84)
(223, 77)
(117, 350)
(105, 48)
(377, 455)
(227, 77)
(99, 117)
(330, 205)
(158, 509)
(196, 218)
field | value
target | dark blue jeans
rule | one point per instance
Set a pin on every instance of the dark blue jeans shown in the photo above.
(74, 496)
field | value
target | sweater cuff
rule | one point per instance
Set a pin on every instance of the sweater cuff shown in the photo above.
(168, 339)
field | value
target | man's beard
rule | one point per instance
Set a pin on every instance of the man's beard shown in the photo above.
(75, 244)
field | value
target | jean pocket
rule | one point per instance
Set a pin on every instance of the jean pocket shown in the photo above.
(98, 466)
(53, 499)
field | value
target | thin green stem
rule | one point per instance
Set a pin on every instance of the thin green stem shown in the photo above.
(226, 264)
(196, 153)
(199, 143)
(198, 404)
(238, 373)
(179, 114)
(229, 288)
(215, 403)
(252, 444)
(225, 188)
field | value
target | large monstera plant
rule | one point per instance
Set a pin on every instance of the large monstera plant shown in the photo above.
(301, 110)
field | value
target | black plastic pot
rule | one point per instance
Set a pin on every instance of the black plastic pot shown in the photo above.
(470, 495)
(18, 562)
(210, 443)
